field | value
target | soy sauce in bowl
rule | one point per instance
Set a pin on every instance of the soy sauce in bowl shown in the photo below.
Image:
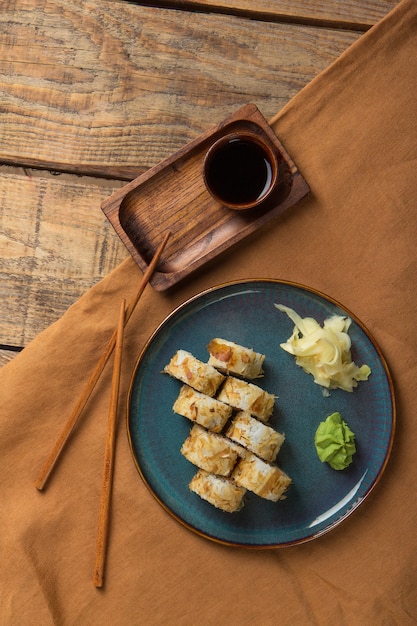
(239, 171)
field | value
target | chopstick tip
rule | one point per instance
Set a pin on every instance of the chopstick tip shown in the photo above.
(98, 581)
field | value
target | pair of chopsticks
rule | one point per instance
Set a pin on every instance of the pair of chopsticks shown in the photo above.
(115, 343)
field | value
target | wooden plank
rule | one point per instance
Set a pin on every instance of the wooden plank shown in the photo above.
(55, 242)
(113, 88)
(354, 14)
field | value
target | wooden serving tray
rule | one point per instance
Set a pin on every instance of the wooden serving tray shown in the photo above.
(172, 196)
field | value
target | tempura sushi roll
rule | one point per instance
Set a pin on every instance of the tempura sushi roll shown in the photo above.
(202, 409)
(267, 481)
(255, 436)
(210, 451)
(247, 397)
(201, 376)
(219, 491)
(231, 358)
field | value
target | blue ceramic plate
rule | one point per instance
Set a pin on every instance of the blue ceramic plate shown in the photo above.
(319, 497)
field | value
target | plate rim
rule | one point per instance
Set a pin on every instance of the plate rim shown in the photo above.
(392, 396)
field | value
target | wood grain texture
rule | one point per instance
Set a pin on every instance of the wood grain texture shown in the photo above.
(112, 88)
(54, 244)
(354, 14)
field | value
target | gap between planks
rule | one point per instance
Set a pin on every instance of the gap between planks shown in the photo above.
(259, 15)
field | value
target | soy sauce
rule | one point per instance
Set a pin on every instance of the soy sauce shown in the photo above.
(239, 172)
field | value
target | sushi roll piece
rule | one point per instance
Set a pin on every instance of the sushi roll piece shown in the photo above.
(210, 451)
(219, 491)
(255, 436)
(193, 372)
(231, 358)
(202, 409)
(267, 481)
(248, 397)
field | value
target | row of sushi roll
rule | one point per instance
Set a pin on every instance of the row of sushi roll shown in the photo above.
(230, 442)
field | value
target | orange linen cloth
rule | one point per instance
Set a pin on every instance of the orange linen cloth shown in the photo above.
(353, 133)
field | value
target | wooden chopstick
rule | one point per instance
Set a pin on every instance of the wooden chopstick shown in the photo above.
(54, 455)
(107, 480)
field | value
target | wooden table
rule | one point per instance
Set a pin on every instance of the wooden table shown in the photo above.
(94, 93)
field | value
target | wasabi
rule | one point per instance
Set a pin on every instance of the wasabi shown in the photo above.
(335, 442)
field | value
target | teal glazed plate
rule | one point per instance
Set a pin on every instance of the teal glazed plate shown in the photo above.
(319, 498)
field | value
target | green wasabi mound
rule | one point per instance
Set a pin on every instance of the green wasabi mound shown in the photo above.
(335, 442)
